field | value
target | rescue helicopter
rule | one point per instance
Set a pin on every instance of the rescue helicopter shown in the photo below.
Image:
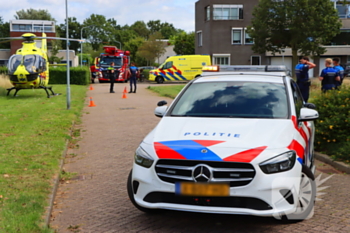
(28, 68)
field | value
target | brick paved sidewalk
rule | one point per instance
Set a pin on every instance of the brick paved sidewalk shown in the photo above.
(96, 200)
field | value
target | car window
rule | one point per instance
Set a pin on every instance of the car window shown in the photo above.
(168, 65)
(233, 99)
(297, 97)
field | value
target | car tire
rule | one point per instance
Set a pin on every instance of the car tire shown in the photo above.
(131, 196)
(159, 79)
(306, 198)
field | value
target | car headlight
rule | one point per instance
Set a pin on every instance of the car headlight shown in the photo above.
(142, 158)
(280, 163)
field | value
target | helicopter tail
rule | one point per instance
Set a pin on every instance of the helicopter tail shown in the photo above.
(44, 43)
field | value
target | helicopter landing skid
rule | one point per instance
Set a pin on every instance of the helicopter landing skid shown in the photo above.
(12, 88)
(45, 88)
(52, 92)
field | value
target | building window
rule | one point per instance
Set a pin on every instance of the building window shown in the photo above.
(207, 13)
(227, 12)
(221, 59)
(343, 11)
(199, 38)
(236, 36)
(255, 60)
(247, 38)
(348, 59)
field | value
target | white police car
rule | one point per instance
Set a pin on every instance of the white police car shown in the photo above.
(238, 141)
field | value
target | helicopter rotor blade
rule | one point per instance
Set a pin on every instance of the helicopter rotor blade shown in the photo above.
(60, 38)
(5, 41)
(38, 38)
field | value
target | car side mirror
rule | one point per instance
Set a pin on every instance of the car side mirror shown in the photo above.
(307, 114)
(161, 103)
(310, 105)
(160, 111)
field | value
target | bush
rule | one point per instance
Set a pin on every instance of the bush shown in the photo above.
(78, 75)
(332, 127)
(3, 70)
(146, 74)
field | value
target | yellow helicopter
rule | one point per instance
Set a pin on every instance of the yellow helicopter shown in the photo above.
(29, 67)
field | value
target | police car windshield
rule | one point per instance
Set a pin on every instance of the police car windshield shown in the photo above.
(106, 61)
(237, 99)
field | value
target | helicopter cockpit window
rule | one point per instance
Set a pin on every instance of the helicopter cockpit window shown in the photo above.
(14, 62)
(34, 63)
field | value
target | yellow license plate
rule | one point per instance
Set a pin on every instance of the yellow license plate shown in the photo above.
(202, 189)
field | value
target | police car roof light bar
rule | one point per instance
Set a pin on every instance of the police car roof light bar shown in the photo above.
(246, 68)
(276, 68)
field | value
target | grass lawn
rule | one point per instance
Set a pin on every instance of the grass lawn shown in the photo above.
(33, 134)
(168, 91)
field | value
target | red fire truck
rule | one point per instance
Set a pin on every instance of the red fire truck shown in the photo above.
(121, 62)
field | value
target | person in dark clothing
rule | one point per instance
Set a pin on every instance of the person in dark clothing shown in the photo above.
(337, 66)
(329, 76)
(302, 73)
(111, 76)
(133, 71)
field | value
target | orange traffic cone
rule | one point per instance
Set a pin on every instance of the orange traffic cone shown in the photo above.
(92, 104)
(124, 96)
(91, 87)
(125, 91)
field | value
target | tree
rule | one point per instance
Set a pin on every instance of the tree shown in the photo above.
(133, 46)
(4, 32)
(34, 14)
(55, 46)
(153, 48)
(140, 28)
(183, 43)
(100, 30)
(74, 32)
(166, 29)
(302, 25)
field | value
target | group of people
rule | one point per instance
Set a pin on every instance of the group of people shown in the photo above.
(132, 73)
(331, 77)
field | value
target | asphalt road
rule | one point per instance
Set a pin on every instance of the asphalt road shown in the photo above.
(96, 200)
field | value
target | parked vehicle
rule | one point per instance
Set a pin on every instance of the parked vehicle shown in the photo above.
(346, 68)
(121, 61)
(180, 68)
(238, 141)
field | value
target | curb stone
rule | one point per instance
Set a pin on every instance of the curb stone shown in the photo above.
(343, 167)
(56, 181)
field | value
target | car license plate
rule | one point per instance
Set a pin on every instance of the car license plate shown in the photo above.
(202, 189)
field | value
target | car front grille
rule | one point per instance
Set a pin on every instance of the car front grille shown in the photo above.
(236, 174)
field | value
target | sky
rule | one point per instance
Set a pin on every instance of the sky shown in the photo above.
(180, 13)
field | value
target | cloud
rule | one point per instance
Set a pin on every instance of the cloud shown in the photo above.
(180, 13)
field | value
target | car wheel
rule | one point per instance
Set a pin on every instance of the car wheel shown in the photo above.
(306, 198)
(131, 196)
(159, 79)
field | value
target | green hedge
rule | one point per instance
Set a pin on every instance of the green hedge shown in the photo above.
(58, 75)
(332, 127)
(3, 69)
(146, 74)
(78, 75)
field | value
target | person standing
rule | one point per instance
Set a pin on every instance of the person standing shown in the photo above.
(337, 66)
(111, 76)
(93, 73)
(133, 71)
(329, 76)
(302, 73)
